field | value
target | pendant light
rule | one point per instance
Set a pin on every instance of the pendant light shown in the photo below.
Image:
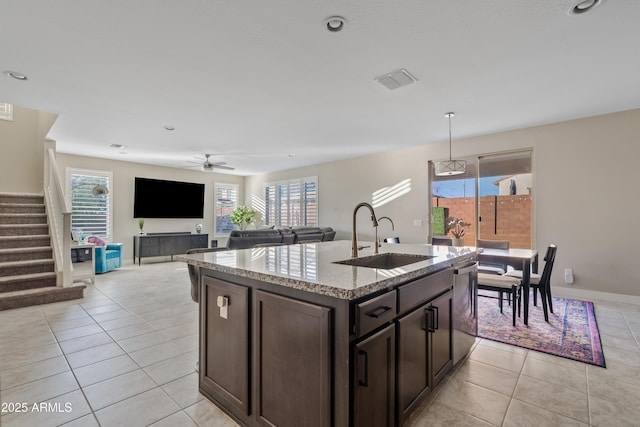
(450, 167)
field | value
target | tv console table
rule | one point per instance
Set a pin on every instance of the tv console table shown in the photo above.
(163, 244)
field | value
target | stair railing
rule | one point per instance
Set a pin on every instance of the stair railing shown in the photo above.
(59, 216)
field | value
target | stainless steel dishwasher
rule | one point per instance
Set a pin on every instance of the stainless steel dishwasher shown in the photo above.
(465, 305)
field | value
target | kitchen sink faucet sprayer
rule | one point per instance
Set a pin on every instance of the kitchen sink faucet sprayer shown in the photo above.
(354, 237)
(393, 227)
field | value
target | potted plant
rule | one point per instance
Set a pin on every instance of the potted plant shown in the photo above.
(456, 227)
(242, 216)
(141, 225)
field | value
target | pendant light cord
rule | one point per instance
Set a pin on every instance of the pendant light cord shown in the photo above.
(449, 136)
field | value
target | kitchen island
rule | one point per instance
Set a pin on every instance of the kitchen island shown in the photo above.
(291, 337)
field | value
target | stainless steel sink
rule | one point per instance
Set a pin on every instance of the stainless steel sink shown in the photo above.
(385, 261)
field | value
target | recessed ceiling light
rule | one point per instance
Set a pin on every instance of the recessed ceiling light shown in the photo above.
(117, 146)
(335, 23)
(584, 6)
(169, 128)
(291, 155)
(16, 75)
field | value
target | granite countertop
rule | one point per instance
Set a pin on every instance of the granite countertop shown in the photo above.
(310, 267)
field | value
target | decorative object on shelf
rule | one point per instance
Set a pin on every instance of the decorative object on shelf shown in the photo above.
(450, 167)
(141, 225)
(242, 216)
(456, 227)
(198, 228)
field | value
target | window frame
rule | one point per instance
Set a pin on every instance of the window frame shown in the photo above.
(217, 185)
(6, 112)
(70, 171)
(294, 211)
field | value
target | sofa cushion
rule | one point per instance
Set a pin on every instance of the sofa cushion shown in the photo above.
(308, 234)
(244, 239)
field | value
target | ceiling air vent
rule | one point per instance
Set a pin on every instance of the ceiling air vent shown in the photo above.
(396, 79)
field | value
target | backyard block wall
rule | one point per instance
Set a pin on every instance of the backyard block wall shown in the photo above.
(502, 217)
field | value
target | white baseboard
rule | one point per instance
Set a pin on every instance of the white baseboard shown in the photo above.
(587, 295)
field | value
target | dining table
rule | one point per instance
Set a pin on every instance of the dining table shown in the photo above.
(525, 259)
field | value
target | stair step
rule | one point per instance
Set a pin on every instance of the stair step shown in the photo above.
(23, 229)
(34, 199)
(29, 297)
(23, 218)
(24, 254)
(27, 281)
(21, 268)
(22, 208)
(35, 240)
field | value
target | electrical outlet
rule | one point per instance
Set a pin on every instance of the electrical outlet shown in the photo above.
(417, 222)
(568, 275)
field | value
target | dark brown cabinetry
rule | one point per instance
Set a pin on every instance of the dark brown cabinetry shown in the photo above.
(408, 355)
(224, 345)
(169, 244)
(374, 380)
(424, 352)
(272, 356)
(292, 362)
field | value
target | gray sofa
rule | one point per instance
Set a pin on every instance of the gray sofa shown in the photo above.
(263, 237)
(244, 239)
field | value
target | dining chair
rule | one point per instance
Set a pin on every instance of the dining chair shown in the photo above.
(194, 277)
(541, 282)
(492, 244)
(502, 284)
(440, 241)
(194, 272)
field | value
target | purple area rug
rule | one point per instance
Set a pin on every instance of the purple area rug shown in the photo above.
(572, 331)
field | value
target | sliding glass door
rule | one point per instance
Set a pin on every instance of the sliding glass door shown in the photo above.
(504, 198)
(494, 197)
(453, 198)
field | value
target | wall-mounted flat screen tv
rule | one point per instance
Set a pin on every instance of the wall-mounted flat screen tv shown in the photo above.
(156, 198)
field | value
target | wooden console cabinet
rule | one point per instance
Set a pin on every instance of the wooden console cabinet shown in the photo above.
(169, 244)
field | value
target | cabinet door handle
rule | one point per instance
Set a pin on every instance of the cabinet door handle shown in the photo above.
(436, 320)
(429, 315)
(365, 382)
(378, 312)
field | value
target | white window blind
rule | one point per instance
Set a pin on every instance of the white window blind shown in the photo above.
(6, 111)
(226, 202)
(292, 203)
(90, 214)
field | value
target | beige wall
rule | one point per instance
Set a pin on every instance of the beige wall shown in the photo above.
(125, 226)
(575, 163)
(23, 139)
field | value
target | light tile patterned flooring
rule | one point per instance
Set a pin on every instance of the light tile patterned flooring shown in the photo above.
(125, 356)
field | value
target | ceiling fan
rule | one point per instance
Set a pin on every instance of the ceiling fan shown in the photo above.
(208, 166)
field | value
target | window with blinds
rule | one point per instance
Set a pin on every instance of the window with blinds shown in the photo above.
(292, 203)
(6, 111)
(226, 196)
(90, 213)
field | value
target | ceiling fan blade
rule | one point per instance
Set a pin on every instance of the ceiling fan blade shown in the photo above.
(223, 167)
(217, 163)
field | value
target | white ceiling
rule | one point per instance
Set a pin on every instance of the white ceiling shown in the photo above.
(253, 81)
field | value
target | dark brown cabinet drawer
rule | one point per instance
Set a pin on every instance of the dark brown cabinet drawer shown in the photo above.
(424, 289)
(375, 312)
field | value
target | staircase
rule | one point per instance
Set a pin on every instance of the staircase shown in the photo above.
(27, 268)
